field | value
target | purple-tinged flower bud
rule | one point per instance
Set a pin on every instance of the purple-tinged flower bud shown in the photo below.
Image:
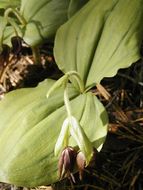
(81, 163)
(66, 162)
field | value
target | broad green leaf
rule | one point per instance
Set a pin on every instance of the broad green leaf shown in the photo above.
(9, 32)
(29, 128)
(101, 38)
(9, 3)
(3, 23)
(44, 17)
(74, 6)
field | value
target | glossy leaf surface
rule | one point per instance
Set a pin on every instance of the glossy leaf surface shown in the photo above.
(30, 125)
(101, 38)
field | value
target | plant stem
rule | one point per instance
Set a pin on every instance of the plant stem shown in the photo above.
(17, 14)
(66, 97)
(15, 26)
(78, 79)
(66, 101)
(64, 80)
(36, 54)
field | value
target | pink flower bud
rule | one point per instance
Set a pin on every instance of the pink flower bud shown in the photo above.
(66, 162)
(81, 163)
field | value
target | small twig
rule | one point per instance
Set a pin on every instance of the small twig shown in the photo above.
(36, 54)
(127, 151)
(135, 178)
(130, 78)
(5, 69)
(131, 138)
(128, 164)
(88, 186)
(120, 112)
(103, 92)
(131, 135)
(107, 96)
(105, 178)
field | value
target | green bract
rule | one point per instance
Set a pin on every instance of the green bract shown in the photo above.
(101, 38)
(29, 128)
(83, 142)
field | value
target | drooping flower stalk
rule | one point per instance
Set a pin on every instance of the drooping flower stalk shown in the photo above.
(71, 126)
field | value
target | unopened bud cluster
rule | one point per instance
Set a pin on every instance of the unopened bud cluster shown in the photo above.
(66, 162)
(69, 156)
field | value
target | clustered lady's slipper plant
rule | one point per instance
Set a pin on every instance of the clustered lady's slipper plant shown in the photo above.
(39, 134)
